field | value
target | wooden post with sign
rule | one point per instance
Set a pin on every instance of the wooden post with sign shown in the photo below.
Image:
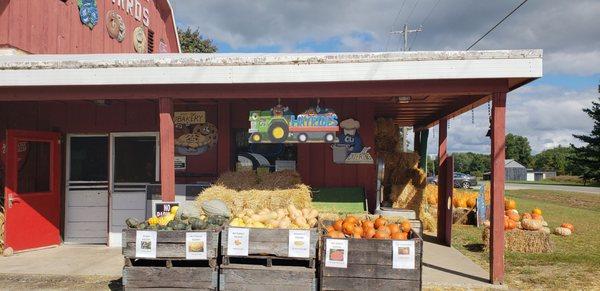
(167, 149)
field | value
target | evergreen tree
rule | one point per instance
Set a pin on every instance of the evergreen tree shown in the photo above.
(588, 155)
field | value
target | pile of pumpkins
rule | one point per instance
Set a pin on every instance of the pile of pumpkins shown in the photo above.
(533, 221)
(283, 218)
(464, 200)
(379, 228)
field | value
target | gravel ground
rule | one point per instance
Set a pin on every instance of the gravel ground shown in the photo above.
(49, 282)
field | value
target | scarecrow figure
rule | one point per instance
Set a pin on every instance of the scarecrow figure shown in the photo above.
(350, 136)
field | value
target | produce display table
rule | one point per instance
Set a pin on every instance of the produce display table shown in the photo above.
(268, 263)
(170, 267)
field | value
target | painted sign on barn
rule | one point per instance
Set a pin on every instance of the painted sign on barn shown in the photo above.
(193, 135)
(280, 125)
(350, 149)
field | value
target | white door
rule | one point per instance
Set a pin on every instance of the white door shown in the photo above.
(134, 165)
(86, 202)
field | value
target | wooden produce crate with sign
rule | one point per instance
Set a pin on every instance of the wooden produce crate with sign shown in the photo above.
(184, 259)
(352, 262)
(268, 259)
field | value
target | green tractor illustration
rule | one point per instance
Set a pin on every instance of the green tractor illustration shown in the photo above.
(264, 127)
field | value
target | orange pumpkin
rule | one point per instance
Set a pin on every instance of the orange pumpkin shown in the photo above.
(330, 229)
(569, 226)
(536, 216)
(471, 202)
(400, 235)
(536, 211)
(509, 204)
(380, 221)
(369, 232)
(358, 232)
(527, 215)
(336, 234)
(351, 219)
(380, 234)
(348, 227)
(405, 226)
(338, 225)
(393, 228)
(512, 224)
(368, 224)
(514, 216)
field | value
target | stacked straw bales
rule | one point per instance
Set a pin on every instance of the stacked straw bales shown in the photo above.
(249, 190)
(523, 241)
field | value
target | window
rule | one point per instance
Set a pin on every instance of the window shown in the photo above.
(150, 41)
(33, 158)
(135, 159)
(89, 158)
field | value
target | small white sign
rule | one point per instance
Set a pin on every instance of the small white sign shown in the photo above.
(403, 254)
(336, 253)
(180, 162)
(237, 241)
(145, 244)
(299, 243)
(195, 246)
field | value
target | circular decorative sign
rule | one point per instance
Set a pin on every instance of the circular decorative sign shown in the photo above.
(88, 12)
(140, 42)
(115, 26)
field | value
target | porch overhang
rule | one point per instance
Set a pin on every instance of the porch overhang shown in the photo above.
(438, 84)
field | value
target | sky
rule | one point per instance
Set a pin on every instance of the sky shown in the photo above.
(547, 111)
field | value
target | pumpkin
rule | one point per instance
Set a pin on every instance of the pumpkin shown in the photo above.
(569, 226)
(531, 224)
(536, 211)
(512, 215)
(526, 215)
(369, 232)
(348, 227)
(351, 219)
(132, 222)
(399, 235)
(368, 224)
(472, 202)
(357, 232)
(338, 224)
(393, 228)
(215, 207)
(329, 229)
(405, 226)
(562, 231)
(384, 228)
(509, 204)
(381, 234)
(336, 234)
(379, 222)
(537, 216)
(143, 225)
(198, 224)
(509, 224)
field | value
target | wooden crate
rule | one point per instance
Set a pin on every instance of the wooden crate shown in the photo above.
(161, 277)
(270, 244)
(261, 278)
(170, 245)
(370, 267)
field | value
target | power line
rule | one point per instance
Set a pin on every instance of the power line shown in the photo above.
(411, 11)
(423, 23)
(505, 17)
(394, 24)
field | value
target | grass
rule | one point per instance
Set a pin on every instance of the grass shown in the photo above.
(556, 182)
(575, 263)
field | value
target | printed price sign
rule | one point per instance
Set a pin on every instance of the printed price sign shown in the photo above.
(145, 244)
(336, 253)
(163, 208)
(403, 254)
(195, 246)
(237, 241)
(299, 243)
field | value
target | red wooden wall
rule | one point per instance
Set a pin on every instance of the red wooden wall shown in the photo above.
(315, 161)
(54, 27)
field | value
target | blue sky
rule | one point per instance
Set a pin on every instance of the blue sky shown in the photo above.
(547, 111)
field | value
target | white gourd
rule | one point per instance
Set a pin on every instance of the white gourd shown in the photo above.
(531, 224)
(562, 231)
(215, 207)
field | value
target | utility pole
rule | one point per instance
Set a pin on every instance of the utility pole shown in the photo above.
(405, 32)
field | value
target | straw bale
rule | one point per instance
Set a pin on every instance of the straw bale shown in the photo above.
(251, 180)
(387, 135)
(1, 229)
(523, 241)
(257, 199)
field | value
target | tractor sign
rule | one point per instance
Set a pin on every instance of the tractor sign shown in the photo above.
(281, 126)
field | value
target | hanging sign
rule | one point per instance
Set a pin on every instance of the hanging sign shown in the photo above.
(237, 241)
(180, 162)
(280, 125)
(350, 149)
(193, 135)
(336, 253)
(145, 244)
(299, 243)
(195, 246)
(403, 254)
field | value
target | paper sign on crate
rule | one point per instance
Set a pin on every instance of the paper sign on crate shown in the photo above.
(237, 241)
(336, 253)
(299, 243)
(403, 254)
(195, 246)
(145, 244)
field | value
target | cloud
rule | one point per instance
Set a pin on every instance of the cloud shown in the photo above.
(566, 30)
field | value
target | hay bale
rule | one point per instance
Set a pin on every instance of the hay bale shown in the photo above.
(1, 228)
(523, 241)
(387, 135)
(251, 180)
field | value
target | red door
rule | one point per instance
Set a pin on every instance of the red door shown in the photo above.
(32, 189)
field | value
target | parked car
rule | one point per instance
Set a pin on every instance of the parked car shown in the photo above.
(460, 180)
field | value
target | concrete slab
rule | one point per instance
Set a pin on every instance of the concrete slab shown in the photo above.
(67, 260)
(447, 267)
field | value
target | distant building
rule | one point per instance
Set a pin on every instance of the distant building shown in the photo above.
(513, 171)
(539, 175)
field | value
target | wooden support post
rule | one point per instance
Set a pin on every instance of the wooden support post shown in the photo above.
(417, 141)
(424, 137)
(497, 188)
(444, 187)
(167, 149)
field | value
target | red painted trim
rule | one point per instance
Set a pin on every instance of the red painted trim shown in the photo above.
(497, 188)
(167, 149)
(224, 137)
